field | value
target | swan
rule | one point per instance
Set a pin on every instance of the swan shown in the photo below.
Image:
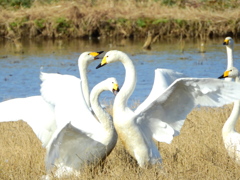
(71, 147)
(231, 137)
(39, 111)
(229, 43)
(164, 116)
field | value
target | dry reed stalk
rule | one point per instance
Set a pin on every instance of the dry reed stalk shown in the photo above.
(87, 18)
(197, 153)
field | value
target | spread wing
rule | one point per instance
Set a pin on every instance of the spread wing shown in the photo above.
(74, 148)
(163, 78)
(64, 92)
(165, 115)
(33, 110)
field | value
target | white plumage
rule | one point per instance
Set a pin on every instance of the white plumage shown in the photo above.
(83, 140)
(40, 111)
(231, 137)
(163, 116)
(229, 43)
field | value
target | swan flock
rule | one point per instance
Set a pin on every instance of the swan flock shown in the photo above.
(76, 131)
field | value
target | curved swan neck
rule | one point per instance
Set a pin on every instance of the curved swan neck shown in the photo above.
(82, 65)
(229, 125)
(104, 118)
(129, 82)
(229, 56)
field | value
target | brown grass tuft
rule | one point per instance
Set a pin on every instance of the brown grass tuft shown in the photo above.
(127, 18)
(197, 153)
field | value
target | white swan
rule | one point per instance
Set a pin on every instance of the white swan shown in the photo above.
(231, 137)
(229, 43)
(72, 148)
(164, 116)
(39, 111)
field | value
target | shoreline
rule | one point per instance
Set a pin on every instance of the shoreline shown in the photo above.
(114, 19)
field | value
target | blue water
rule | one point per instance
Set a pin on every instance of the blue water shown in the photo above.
(19, 72)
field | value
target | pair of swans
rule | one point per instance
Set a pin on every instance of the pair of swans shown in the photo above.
(163, 114)
(62, 101)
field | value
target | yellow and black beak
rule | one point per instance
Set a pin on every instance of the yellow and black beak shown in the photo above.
(103, 62)
(226, 42)
(96, 54)
(225, 75)
(115, 89)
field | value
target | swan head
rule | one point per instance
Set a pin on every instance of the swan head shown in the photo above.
(231, 72)
(228, 41)
(88, 57)
(111, 56)
(112, 85)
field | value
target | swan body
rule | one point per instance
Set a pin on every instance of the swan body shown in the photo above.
(71, 147)
(231, 137)
(164, 115)
(40, 112)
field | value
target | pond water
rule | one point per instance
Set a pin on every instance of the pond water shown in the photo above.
(19, 72)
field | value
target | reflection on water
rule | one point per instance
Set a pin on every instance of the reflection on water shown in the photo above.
(19, 72)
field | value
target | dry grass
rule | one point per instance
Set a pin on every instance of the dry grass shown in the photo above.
(126, 18)
(198, 153)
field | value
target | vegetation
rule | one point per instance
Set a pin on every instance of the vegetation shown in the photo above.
(113, 18)
(197, 153)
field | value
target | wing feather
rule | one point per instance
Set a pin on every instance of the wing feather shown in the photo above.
(165, 115)
(74, 148)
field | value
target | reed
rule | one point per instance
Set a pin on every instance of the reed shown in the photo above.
(197, 153)
(124, 19)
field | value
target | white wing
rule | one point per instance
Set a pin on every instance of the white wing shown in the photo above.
(64, 92)
(163, 78)
(165, 115)
(74, 148)
(35, 111)
(57, 87)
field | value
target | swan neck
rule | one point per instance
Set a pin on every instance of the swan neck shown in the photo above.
(129, 83)
(230, 124)
(229, 56)
(82, 65)
(104, 118)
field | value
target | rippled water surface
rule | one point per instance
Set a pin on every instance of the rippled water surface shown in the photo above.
(19, 72)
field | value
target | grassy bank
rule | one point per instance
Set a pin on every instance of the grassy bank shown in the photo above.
(119, 19)
(198, 153)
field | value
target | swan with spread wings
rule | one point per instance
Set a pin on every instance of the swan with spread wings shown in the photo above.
(164, 114)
